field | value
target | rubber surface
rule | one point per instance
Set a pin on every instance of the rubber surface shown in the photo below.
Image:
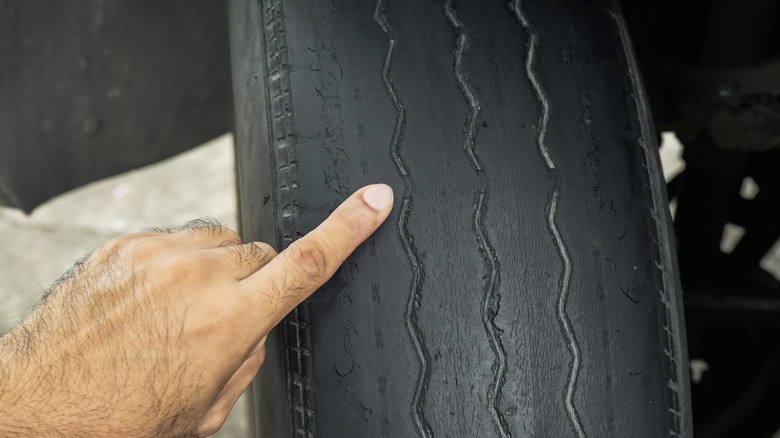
(524, 283)
(94, 88)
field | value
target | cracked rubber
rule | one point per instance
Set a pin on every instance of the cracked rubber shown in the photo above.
(524, 284)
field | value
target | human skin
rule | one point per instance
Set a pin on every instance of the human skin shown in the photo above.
(158, 334)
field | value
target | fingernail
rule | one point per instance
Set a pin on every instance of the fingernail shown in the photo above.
(378, 196)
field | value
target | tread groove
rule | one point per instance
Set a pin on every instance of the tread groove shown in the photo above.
(552, 207)
(468, 93)
(400, 119)
(413, 301)
(410, 316)
(490, 301)
(488, 310)
(563, 317)
(516, 7)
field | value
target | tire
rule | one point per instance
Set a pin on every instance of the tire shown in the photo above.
(524, 284)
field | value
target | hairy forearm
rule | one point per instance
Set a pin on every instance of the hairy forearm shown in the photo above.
(31, 405)
(26, 411)
(15, 420)
(55, 392)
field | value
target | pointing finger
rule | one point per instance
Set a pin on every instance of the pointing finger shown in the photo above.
(309, 262)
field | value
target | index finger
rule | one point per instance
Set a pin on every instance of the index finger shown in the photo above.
(310, 261)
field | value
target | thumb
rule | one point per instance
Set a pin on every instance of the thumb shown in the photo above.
(310, 261)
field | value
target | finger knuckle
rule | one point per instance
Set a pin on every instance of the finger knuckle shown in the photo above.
(130, 246)
(192, 266)
(230, 234)
(251, 254)
(229, 243)
(117, 243)
(261, 252)
(311, 259)
(148, 248)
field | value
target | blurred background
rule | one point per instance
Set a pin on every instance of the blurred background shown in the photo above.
(671, 152)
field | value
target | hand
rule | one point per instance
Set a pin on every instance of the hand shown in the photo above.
(157, 334)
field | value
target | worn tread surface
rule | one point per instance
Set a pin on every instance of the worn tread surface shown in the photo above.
(524, 284)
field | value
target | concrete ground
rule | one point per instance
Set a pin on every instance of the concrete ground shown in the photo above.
(38, 248)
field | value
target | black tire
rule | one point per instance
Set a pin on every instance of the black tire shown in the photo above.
(524, 284)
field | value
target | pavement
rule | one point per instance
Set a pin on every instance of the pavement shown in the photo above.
(38, 248)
